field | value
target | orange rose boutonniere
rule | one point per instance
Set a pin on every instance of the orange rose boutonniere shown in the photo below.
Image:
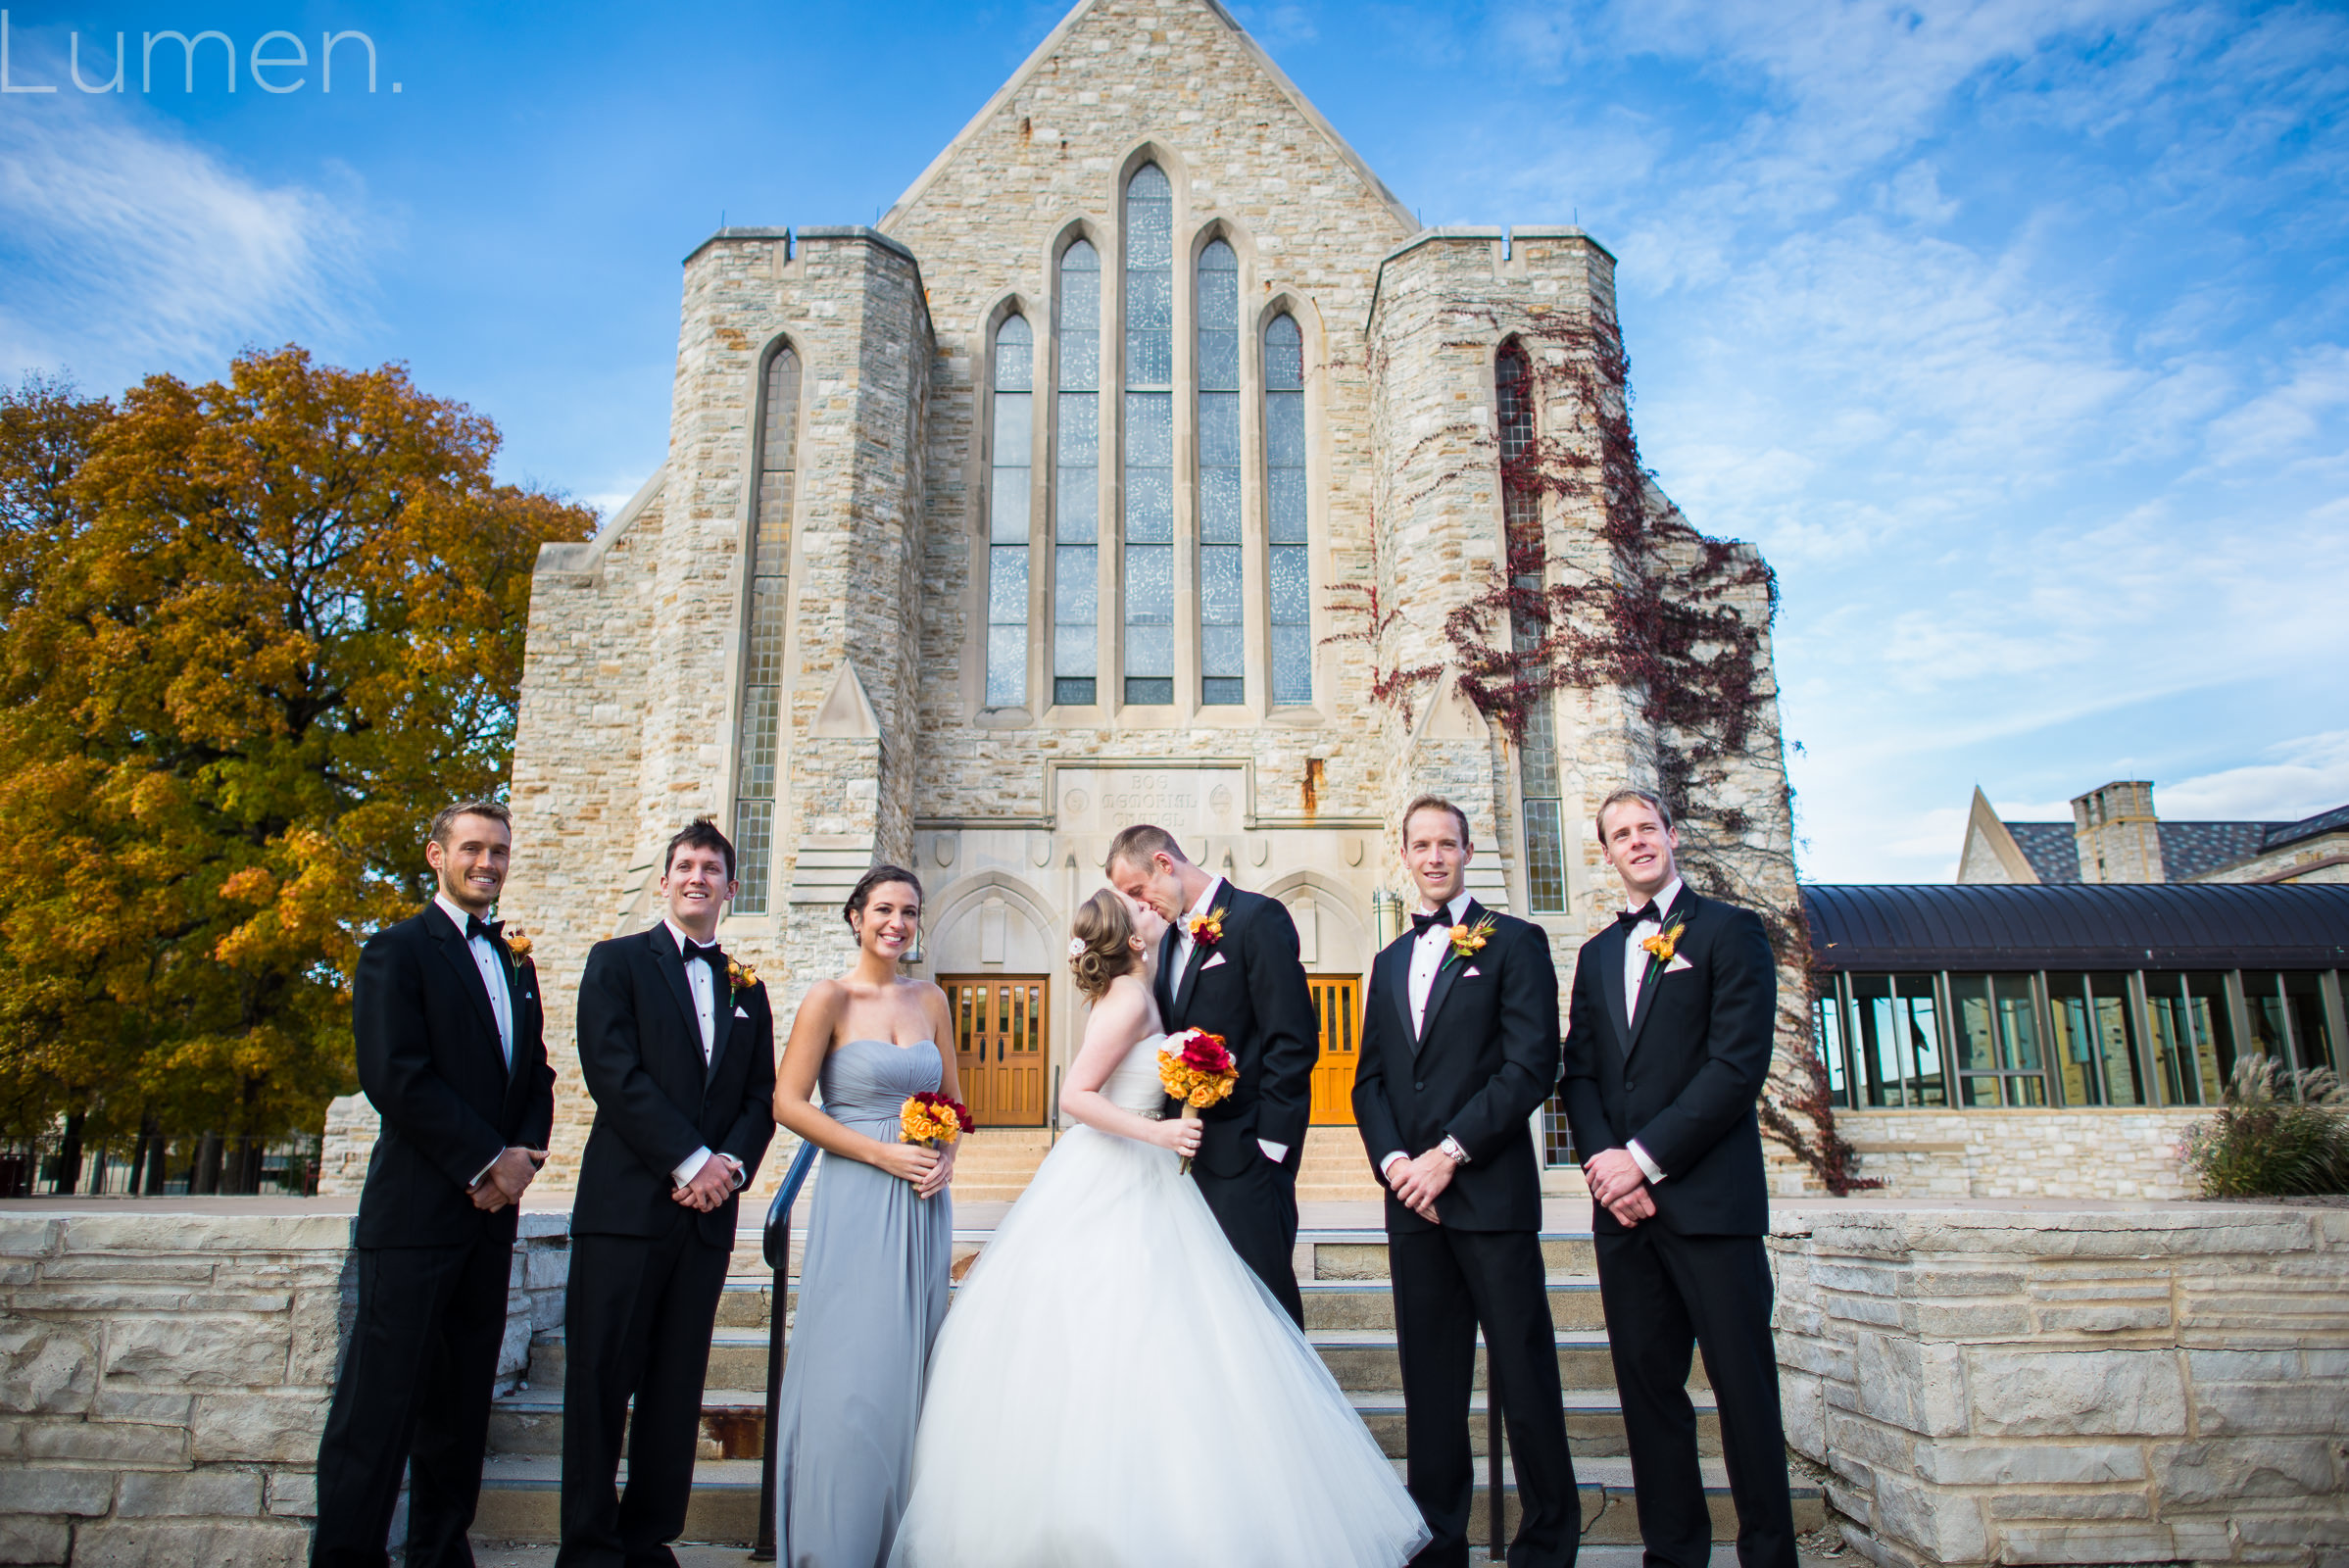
(1661, 945)
(1207, 929)
(740, 976)
(1467, 940)
(517, 945)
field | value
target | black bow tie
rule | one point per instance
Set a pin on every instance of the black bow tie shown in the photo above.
(1645, 912)
(476, 927)
(1421, 922)
(707, 951)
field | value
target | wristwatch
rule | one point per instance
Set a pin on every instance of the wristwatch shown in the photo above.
(1452, 1147)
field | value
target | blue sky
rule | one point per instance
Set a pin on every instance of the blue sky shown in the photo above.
(2016, 333)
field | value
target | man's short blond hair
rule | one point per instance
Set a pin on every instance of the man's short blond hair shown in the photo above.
(1625, 797)
(1137, 844)
(1432, 803)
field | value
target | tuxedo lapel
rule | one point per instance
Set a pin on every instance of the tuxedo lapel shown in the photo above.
(1609, 959)
(1198, 957)
(1397, 982)
(1684, 907)
(721, 1018)
(669, 959)
(1168, 946)
(1447, 972)
(460, 956)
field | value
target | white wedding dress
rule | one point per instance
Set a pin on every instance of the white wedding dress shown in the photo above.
(1115, 1388)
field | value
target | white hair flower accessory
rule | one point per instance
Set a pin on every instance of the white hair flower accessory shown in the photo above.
(1076, 949)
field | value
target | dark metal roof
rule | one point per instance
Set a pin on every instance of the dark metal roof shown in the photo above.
(2196, 849)
(2084, 926)
(2050, 848)
(2282, 833)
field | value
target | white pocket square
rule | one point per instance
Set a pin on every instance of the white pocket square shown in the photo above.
(1678, 962)
(1212, 963)
(1471, 973)
(739, 1013)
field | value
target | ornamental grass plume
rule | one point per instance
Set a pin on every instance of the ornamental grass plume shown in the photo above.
(2279, 1132)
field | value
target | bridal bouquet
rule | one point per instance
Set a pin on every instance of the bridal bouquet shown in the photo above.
(1196, 1069)
(932, 1119)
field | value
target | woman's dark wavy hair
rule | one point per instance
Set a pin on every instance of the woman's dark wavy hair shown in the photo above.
(878, 877)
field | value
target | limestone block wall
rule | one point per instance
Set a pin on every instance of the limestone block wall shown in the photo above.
(2086, 1153)
(2135, 1385)
(165, 1376)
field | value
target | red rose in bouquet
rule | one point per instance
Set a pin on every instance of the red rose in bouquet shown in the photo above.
(1196, 1069)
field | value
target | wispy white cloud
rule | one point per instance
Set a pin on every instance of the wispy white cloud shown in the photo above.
(131, 247)
(2295, 779)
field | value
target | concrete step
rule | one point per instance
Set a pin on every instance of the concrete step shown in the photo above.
(1369, 1360)
(1361, 1255)
(520, 1501)
(1594, 1422)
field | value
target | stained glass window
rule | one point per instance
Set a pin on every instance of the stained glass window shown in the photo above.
(1148, 475)
(1076, 480)
(1221, 636)
(1289, 575)
(1007, 494)
(763, 668)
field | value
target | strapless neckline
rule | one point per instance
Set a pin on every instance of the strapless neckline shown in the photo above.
(869, 1040)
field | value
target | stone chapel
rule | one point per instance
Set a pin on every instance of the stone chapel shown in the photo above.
(1033, 511)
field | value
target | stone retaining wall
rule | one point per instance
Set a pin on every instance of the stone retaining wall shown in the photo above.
(165, 1375)
(2119, 1154)
(2031, 1385)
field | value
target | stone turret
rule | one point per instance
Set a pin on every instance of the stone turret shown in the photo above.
(2119, 836)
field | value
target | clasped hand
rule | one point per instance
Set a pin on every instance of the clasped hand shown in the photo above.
(1620, 1186)
(1420, 1182)
(925, 1167)
(509, 1176)
(711, 1186)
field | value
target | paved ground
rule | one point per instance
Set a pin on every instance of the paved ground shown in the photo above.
(1724, 1556)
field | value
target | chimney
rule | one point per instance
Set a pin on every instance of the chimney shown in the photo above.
(2118, 835)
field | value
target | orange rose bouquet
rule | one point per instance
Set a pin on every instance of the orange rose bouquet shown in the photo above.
(932, 1119)
(1196, 1069)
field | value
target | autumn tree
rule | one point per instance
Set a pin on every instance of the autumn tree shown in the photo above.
(256, 632)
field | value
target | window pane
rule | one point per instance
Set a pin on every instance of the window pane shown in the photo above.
(1285, 515)
(763, 668)
(1149, 505)
(1219, 589)
(1149, 304)
(1291, 587)
(1008, 507)
(1150, 602)
(1014, 356)
(1076, 594)
(2312, 1045)
(1219, 430)
(1080, 432)
(1013, 429)
(754, 852)
(1219, 360)
(1221, 654)
(1284, 355)
(2073, 1039)
(1150, 429)
(1007, 586)
(1067, 691)
(1538, 757)
(1827, 1037)
(1899, 1039)
(1544, 858)
(1149, 691)
(1219, 506)
(1073, 654)
(1149, 278)
(2193, 1035)
(1292, 668)
(1284, 430)
(1217, 691)
(1008, 666)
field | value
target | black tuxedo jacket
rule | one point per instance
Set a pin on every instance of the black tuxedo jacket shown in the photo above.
(1258, 1000)
(1477, 1072)
(430, 1062)
(1682, 1076)
(640, 1051)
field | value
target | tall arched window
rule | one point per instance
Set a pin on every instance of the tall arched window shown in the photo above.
(1076, 486)
(763, 666)
(1221, 639)
(1521, 517)
(1148, 477)
(1010, 444)
(1288, 571)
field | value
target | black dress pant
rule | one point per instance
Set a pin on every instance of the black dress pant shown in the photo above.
(637, 1315)
(1665, 1293)
(413, 1394)
(1258, 1210)
(1448, 1283)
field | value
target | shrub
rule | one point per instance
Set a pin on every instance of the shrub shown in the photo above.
(2281, 1133)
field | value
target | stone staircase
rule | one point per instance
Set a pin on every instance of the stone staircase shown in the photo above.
(995, 1164)
(1349, 1317)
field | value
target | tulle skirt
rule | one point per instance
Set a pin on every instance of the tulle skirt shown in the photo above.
(1115, 1388)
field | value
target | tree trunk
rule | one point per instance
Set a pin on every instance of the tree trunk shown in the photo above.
(69, 1156)
(204, 1179)
(158, 1147)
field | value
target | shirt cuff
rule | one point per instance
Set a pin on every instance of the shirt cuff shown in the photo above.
(1275, 1153)
(1647, 1167)
(482, 1174)
(1388, 1163)
(690, 1166)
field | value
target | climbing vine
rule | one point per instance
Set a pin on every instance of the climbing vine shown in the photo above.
(1671, 617)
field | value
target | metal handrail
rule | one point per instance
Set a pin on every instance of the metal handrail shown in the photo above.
(776, 1246)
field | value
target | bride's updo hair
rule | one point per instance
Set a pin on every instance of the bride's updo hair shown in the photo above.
(1099, 952)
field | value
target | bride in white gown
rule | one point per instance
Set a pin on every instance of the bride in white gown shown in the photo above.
(1113, 1388)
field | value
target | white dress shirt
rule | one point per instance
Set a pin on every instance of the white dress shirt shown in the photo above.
(1275, 1153)
(1635, 973)
(702, 977)
(491, 966)
(1426, 959)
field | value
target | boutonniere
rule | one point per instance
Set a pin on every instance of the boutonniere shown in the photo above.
(740, 976)
(1206, 930)
(1467, 940)
(1661, 945)
(517, 946)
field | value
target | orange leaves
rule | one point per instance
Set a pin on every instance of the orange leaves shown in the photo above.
(262, 628)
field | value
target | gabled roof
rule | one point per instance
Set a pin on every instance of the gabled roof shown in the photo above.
(2280, 834)
(2050, 848)
(2196, 849)
(1050, 46)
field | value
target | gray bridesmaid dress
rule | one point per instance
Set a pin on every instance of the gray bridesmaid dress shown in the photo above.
(873, 1293)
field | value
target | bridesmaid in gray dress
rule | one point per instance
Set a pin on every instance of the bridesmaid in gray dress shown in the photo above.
(880, 1235)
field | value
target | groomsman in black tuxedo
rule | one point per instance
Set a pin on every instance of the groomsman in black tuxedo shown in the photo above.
(1667, 1046)
(1459, 1048)
(1230, 966)
(445, 1016)
(677, 1047)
